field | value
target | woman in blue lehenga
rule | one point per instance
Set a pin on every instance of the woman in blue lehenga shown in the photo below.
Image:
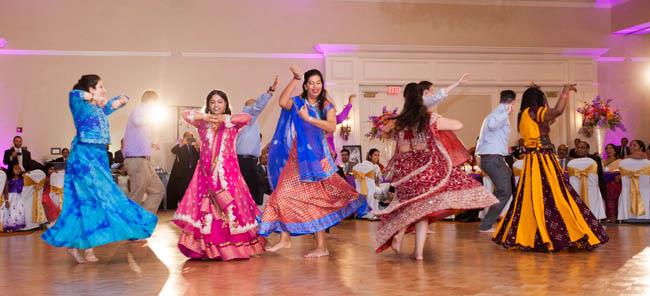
(95, 211)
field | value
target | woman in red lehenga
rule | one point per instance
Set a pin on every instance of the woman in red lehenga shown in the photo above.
(428, 186)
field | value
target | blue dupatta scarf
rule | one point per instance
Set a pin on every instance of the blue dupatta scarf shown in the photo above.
(315, 162)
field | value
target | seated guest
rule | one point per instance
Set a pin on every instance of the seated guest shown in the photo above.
(373, 156)
(582, 150)
(186, 155)
(637, 150)
(573, 153)
(65, 152)
(563, 155)
(612, 161)
(613, 187)
(346, 164)
(519, 150)
(18, 155)
(624, 149)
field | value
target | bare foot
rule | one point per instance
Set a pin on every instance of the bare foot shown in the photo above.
(317, 254)
(75, 254)
(278, 246)
(417, 258)
(396, 243)
(90, 256)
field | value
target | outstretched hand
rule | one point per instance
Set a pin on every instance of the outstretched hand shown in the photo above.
(463, 78)
(295, 71)
(276, 81)
(570, 87)
(351, 98)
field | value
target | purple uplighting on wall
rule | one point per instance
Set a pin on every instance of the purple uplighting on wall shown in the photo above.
(3, 42)
(635, 30)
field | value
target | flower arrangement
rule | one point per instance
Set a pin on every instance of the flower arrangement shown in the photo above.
(378, 122)
(599, 114)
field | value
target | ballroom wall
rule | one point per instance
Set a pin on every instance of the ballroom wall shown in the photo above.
(251, 41)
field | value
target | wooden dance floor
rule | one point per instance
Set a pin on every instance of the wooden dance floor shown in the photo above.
(458, 261)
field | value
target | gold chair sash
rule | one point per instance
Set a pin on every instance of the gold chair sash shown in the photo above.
(584, 182)
(38, 213)
(59, 191)
(636, 207)
(361, 179)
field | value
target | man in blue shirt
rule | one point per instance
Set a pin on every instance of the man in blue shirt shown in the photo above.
(249, 142)
(492, 148)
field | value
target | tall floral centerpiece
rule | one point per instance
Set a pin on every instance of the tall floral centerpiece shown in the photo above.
(598, 116)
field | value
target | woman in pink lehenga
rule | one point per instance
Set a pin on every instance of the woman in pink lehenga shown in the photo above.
(217, 215)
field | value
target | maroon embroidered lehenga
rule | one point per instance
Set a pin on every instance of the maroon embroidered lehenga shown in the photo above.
(427, 185)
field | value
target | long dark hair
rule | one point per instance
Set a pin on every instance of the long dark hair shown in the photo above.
(532, 97)
(86, 82)
(322, 97)
(222, 95)
(414, 113)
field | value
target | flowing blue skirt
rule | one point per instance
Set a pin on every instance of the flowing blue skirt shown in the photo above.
(95, 211)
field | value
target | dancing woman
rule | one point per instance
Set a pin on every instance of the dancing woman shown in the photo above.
(217, 215)
(546, 214)
(95, 211)
(308, 197)
(428, 186)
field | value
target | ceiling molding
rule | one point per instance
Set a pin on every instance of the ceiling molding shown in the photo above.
(529, 3)
(240, 55)
(91, 53)
(347, 49)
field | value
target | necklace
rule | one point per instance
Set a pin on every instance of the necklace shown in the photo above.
(312, 104)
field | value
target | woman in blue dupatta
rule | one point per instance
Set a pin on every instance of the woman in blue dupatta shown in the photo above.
(308, 195)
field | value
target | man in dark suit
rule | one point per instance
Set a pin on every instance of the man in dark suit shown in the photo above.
(65, 152)
(346, 164)
(187, 156)
(119, 156)
(623, 150)
(582, 150)
(263, 170)
(18, 155)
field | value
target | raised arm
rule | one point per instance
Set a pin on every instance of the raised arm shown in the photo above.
(328, 125)
(437, 97)
(285, 97)
(262, 100)
(346, 110)
(560, 106)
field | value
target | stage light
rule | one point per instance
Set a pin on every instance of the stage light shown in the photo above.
(3, 42)
(158, 113)
(647, 74)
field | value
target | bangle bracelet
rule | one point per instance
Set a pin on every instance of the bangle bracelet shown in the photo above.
(296, 77)
(271, 89)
